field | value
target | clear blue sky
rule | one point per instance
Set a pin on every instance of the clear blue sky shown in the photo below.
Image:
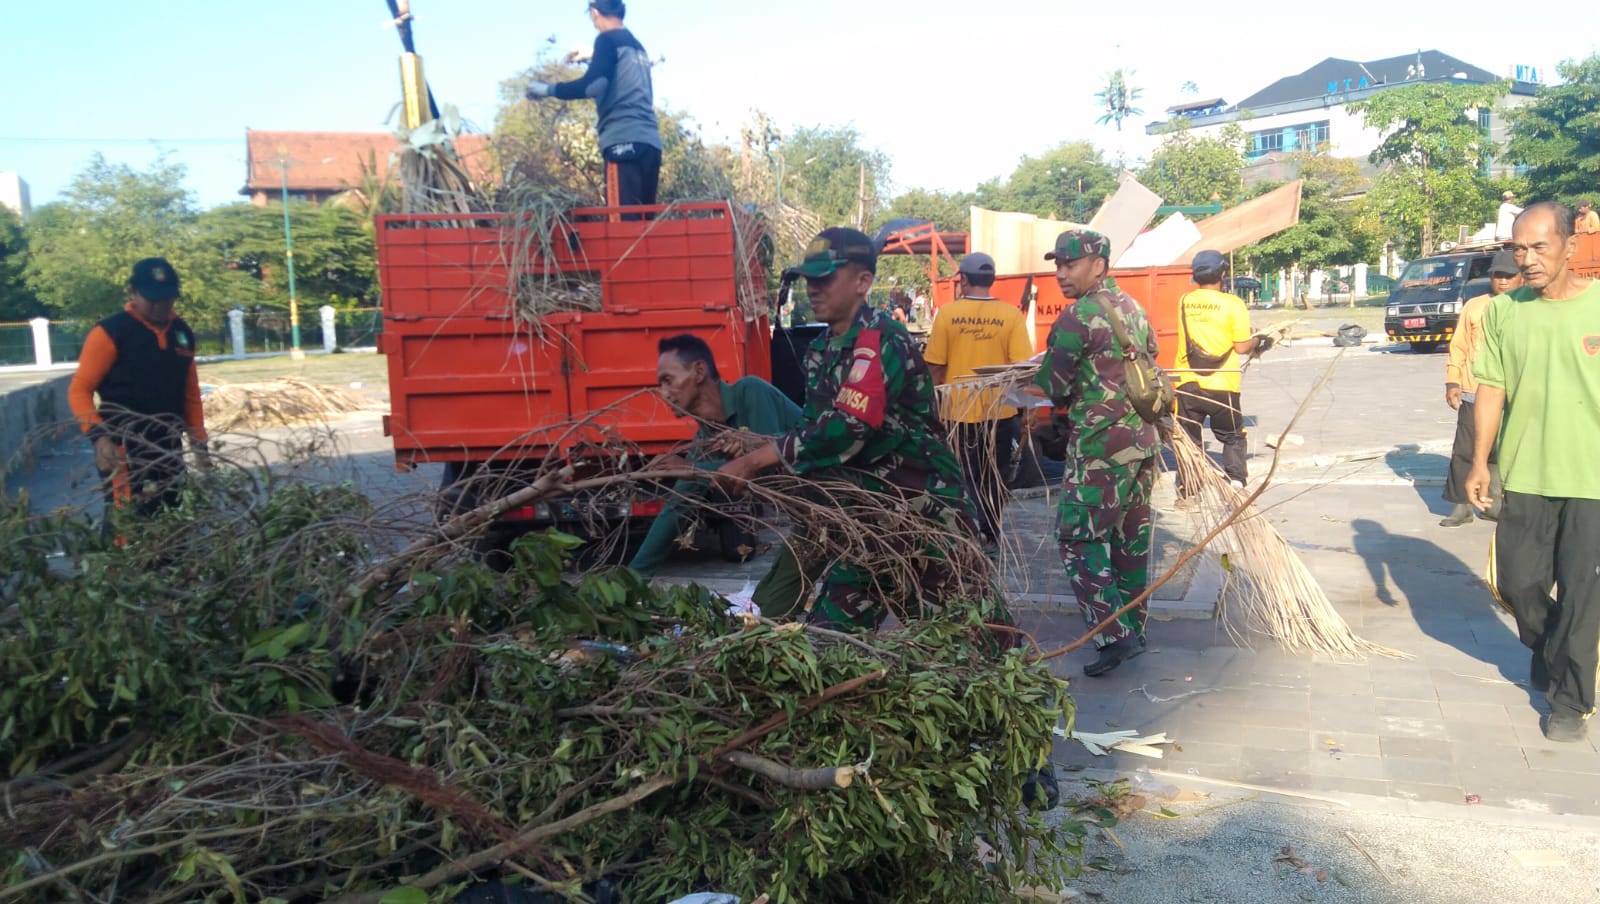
(954, 91)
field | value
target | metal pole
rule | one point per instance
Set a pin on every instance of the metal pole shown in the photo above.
(288, 252)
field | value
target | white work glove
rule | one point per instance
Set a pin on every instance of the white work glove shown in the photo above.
(538, 90)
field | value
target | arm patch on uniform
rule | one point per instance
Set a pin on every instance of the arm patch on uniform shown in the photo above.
(863, 395)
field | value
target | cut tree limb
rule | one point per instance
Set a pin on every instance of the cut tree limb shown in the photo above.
(457, 868)
(799, 779)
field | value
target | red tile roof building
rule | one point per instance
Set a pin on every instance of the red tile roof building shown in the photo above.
(324, 164)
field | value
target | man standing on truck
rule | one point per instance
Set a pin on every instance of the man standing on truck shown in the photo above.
(141, 364)
(870, 419)
(1508, 214)
(1540, 370)
(1104, 512)
(979, 330)
(687, 374)
(1461, 387)
(1213, 336)
(618, 79)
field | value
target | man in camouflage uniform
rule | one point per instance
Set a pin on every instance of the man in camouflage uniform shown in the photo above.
(1104, 526)
(870, 418)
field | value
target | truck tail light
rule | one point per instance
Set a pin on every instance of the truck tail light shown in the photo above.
(648, 508)
(524, 513)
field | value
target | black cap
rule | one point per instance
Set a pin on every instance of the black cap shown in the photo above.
(836, 246)
(1209, 263)
(1504, 264)
(976, 263)
(154, 279)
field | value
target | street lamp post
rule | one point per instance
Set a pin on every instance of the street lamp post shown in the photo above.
(295, 352)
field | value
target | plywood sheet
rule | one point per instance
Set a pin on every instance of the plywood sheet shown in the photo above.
(1252, 221)
(1018, 241)
(1125, 215)
(1156, 247)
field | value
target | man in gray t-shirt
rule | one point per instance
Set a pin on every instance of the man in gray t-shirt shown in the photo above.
(618, 79)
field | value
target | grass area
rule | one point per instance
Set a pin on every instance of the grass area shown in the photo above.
(367, 368)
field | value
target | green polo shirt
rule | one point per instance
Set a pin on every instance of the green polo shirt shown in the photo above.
(1546, 356)
(749, 403)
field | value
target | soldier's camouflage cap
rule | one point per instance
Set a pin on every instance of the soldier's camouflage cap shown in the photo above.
(835, 247)
(1076, 243)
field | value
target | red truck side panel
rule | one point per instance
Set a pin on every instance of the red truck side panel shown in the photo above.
(469, 383)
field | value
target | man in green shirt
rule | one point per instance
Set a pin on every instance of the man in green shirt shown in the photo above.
(688, 379)
(1540, 368)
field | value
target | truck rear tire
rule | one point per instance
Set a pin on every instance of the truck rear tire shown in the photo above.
(1423, 348)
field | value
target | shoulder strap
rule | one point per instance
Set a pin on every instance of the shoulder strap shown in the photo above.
(1118, 329)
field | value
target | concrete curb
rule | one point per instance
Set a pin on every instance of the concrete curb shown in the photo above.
(1218, 789)
(1372, 454)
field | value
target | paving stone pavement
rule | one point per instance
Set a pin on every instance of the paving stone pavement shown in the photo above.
(1455, 719)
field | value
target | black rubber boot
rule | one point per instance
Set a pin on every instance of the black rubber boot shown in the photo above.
(1460, 516)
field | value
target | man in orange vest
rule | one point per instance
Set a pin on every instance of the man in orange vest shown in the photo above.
(141, 364)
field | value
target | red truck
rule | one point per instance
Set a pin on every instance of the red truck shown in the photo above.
(488, 393)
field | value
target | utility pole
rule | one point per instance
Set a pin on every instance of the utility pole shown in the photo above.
(295, 352)
(861, 200)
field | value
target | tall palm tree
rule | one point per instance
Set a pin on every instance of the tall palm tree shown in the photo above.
(1118, 98)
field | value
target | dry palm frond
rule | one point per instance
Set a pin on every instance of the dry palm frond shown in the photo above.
(536, 233)
(284, 402)
(1267, 590)
(985, 396)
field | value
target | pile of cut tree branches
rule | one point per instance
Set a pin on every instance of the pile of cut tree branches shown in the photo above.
(225, 705)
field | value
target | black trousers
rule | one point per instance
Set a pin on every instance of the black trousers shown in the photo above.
(638, 172)
(1455, 485)
(148, 483)
(1542, 541)
(1195, 405)
(985, 449)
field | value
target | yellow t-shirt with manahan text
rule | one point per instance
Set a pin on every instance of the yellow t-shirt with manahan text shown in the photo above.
(1217, 320)
(970, 333)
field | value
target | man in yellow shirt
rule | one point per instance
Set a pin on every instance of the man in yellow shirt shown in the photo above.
(1213, 332)
(973, 331)
(1588, 221)
(1461, 387)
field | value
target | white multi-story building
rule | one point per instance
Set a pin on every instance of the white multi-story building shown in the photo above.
(14, 194)
(1307, 112)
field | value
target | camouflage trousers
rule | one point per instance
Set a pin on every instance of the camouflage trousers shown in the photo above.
(858, 597)
(1104, 532)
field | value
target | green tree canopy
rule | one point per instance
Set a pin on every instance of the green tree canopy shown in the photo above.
(1435, 152)
(238, 254)
(1336, 228)
(1067, 182)
(1558, 135)
(825, 171)
(16, 299)
(1188, 169)
(81, 249)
